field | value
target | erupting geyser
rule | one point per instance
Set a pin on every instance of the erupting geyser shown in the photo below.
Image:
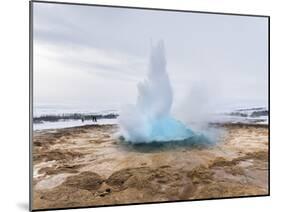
(150, 119)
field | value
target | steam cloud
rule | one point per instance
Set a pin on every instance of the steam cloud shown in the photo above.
(150, 120)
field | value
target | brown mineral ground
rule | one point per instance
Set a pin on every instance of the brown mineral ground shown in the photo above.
(91, 166)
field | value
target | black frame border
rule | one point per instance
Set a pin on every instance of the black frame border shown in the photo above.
(138, 8)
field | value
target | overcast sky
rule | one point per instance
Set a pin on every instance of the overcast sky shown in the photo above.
(94, 57)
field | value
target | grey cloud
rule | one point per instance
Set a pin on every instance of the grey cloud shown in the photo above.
(228, 52)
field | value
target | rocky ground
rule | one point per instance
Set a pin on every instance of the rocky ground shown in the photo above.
(90, 166)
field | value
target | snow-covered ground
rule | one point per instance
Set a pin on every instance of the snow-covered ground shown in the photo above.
(251, 115)
(226, 118)
(70, 123)
(230, 115)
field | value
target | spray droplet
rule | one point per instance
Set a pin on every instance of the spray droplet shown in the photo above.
(150, 119)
